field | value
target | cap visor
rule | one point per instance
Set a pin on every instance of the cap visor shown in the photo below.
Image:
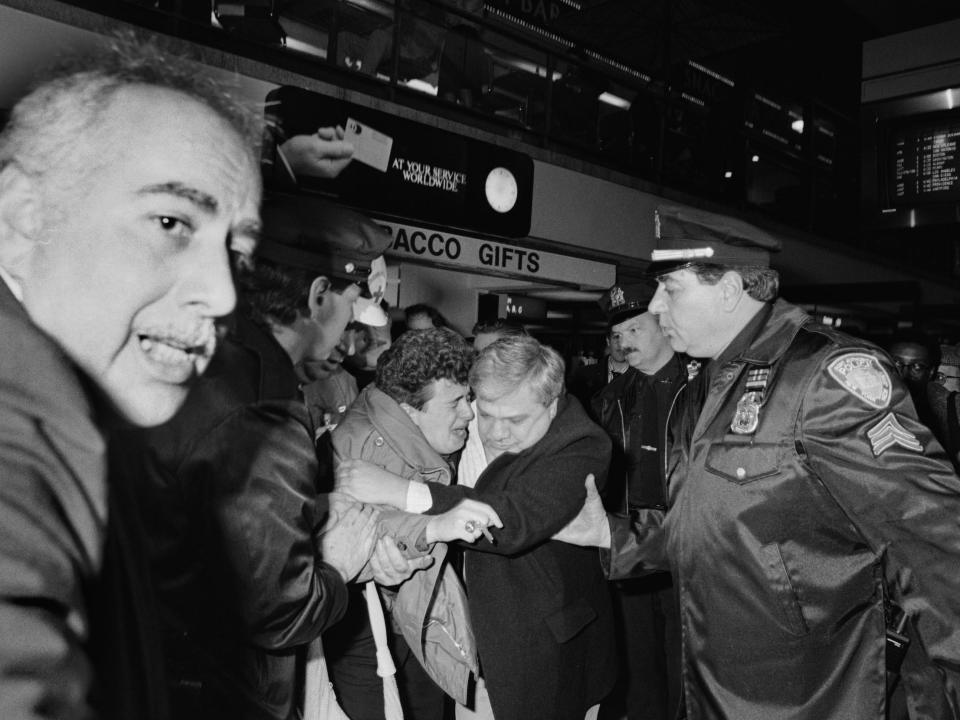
(656, 269)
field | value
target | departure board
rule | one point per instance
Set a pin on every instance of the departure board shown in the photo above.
(926, 164)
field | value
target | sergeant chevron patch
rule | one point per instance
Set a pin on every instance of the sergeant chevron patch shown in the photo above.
(861, 375)
(889, 432)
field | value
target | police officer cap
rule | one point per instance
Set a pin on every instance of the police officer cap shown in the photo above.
(685, 236)
(315, 234)
(622, 302)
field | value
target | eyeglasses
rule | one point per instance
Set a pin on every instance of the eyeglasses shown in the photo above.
(914, 367)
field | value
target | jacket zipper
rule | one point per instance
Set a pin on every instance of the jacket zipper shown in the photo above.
(626, 444)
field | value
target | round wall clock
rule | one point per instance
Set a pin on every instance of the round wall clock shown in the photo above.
(501, 189)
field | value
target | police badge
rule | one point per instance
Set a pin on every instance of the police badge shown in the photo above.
(747, 417)
(616, 297)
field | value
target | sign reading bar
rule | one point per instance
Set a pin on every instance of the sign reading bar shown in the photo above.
(399, 167)
(470, 253)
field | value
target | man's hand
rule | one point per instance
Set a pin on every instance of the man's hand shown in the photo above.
(324, 154)
(467, 521)
(389, 567)
(590, 527)
(348, 536)
(370, 483)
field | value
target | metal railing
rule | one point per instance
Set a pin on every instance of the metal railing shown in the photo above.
(691, 128)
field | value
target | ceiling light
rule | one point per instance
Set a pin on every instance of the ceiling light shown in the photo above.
(797, 126)
(755, 158)
(422, 86)
(615, 100)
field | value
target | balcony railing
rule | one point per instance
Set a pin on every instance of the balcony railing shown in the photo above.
(690, 127)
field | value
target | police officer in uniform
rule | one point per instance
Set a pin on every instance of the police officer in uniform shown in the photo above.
(812, 522)
(633, 409)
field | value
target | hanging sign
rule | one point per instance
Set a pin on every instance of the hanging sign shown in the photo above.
(478, 254)
(399, 167)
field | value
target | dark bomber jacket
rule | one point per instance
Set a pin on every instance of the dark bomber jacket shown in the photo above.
(786, 542)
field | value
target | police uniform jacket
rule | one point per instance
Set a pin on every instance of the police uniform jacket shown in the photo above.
(540, 608)
(430, 608)
(229, 493)
(786, 540)
(636, 468)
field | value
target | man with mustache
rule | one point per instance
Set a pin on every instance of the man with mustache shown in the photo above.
(410, 422)
(126, 179)
(633, 409)
(249, 559)
(811, 521)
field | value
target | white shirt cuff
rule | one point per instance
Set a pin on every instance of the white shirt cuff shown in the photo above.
(418, 498)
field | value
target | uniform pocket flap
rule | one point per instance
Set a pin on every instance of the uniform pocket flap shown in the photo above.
(566, 622)
(743, 463)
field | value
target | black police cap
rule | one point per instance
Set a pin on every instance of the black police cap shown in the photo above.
(622, 302)
(685, 236)
(316, 234)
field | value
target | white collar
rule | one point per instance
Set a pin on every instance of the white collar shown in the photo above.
(11, 283)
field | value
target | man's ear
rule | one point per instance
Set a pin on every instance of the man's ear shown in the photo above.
(553, 408)
(20, 215)
(319, 287)
(731, 290)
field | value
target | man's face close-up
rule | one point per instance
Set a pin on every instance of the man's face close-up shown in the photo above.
(640, 339)
(511, 422)
(328, 339)
(948, 375)
(615, 343)
(443, 419)
(913, 363)
(690, 313)
(131, 267)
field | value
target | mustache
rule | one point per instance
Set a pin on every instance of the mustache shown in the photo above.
(199, 336)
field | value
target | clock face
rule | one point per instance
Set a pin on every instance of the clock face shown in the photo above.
(501, 189)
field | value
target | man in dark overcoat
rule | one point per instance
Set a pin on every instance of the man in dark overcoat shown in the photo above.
(540, 606)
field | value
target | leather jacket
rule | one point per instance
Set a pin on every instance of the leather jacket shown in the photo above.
(430, 608)
(230, 501)
(618, 410)
(789, 540)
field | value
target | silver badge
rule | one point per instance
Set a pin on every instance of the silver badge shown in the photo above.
(747, 417)
(616, 297)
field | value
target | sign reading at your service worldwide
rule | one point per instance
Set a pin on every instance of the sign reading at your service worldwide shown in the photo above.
(399, 167)
(478, 254)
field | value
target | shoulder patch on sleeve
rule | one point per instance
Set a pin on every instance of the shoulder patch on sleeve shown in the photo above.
(861, 375)
(889, 432)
